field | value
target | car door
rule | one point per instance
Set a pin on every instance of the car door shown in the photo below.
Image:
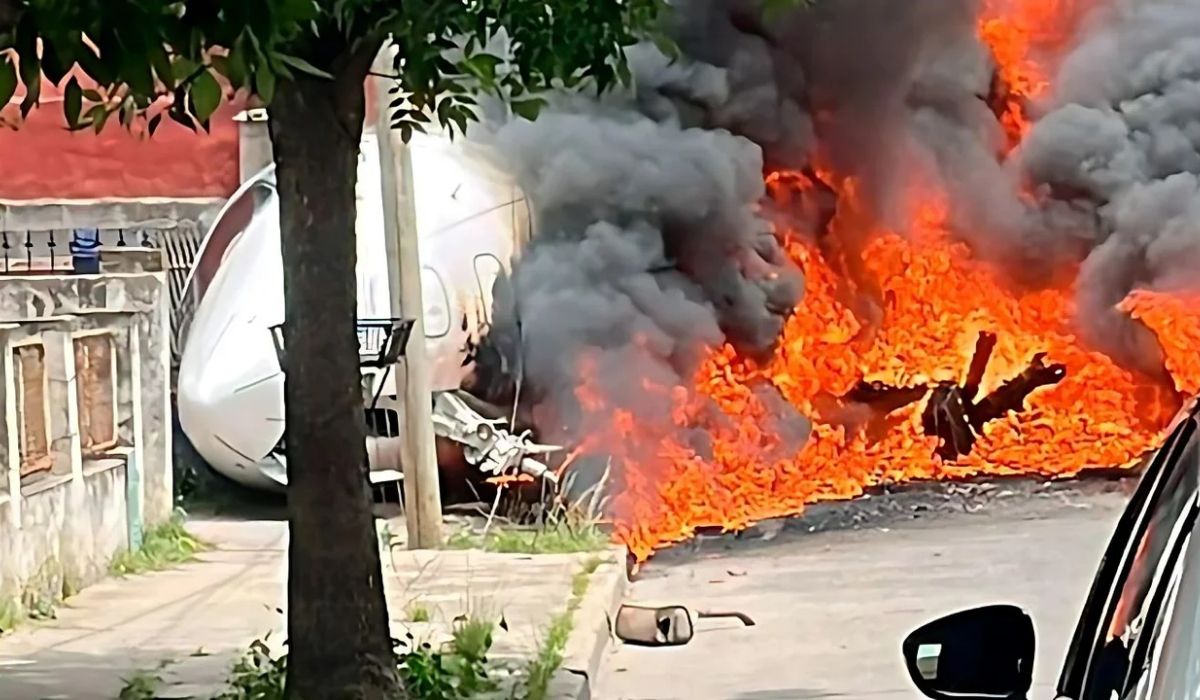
(1136, 568)
(1173, 665)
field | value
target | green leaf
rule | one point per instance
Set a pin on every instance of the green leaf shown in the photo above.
(98, 115)
(183, 68)
(264, 81)
(528, 109)
(482, 66)
(623, 73)
(666, 45)
(238, 71)
(8, 80)
(135, 72)
(206, 95)
(303, 66)
(124, 116)
(72, 102)
(180, 117)
(52, 65)
(162, 66)
(298, 10)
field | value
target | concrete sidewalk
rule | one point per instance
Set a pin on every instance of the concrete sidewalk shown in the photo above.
(190, 624)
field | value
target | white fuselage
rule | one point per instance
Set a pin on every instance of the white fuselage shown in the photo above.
(471, 220)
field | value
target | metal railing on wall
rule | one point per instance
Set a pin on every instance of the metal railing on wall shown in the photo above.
(57, 252)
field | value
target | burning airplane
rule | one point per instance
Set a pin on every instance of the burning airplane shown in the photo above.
(470, 220)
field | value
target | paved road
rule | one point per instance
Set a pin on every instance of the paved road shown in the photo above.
(833, 606)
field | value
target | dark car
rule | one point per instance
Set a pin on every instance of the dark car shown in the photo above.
(1139, 633)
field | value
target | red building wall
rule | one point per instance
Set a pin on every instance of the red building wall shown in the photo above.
(43, 160)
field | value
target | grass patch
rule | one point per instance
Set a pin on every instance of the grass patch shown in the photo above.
(562, 527)
(257, 675)
(555, 538)
(162, 547)
(10, 615)
(456, 670)
(144, 685)
(541, 668)
(140, 686)
(417, 612)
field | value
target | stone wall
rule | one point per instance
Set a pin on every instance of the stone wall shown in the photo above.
(61, 526)
(36, 234)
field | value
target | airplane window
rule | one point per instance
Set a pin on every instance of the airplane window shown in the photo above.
(437, 303)
(235, 220)
(487, 268)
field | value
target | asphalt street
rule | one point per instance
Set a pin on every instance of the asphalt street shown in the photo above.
(834, 596)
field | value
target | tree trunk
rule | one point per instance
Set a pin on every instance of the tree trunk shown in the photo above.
(339, 644)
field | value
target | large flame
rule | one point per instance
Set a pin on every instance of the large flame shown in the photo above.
(937, 300)
(1026, 37)
(716, 460)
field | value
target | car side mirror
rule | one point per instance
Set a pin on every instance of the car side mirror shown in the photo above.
(667, 626)
(980, 654)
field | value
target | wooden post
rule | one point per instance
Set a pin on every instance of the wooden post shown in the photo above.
(422, 492)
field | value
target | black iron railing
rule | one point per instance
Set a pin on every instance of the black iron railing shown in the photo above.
(59, 251)
(381, 341)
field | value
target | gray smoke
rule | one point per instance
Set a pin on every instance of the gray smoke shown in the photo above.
(648, 250)
(1123, 138)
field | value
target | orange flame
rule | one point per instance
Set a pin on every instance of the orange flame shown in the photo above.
(1026, 37)
(937, 299)
(716, 459)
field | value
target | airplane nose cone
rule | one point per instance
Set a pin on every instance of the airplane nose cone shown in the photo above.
(231, 394)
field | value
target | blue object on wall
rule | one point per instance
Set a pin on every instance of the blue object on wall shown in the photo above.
(85, 251)
(133, 501)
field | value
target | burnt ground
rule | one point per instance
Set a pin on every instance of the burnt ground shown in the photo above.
(835, 591)
(907, 504)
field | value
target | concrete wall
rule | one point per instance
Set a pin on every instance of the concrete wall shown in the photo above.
(45, 160)
(176, 227)
(60, 529)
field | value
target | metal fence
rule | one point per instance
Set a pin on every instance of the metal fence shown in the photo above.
(49, 252)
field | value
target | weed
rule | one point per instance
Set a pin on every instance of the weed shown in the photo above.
(472, 638)
(417, 612)
(257, 675)
(10, 615)
(456, 670)
(387, 538)
(464, 539)
(557, 535)
(563, 527)
(140, 686)
(162, 547)
(583, 577)
(39, 608)
(541, 668)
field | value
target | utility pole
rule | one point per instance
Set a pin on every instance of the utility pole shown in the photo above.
(422, 492)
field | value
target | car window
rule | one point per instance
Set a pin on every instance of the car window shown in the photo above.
(1146, 679)
(1093, 619)
(1175, 673)
(1116, 666)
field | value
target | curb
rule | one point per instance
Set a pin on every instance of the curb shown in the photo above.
(592, 631)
